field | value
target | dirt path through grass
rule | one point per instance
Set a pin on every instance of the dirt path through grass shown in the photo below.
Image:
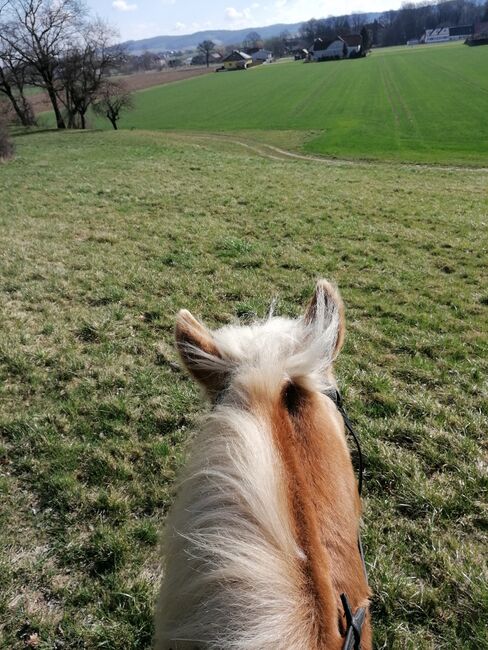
(273, 152)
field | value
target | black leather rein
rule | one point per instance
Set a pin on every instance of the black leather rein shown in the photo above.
(354, 621)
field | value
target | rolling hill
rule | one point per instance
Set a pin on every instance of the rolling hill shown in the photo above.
(424, 104)
(218, 36)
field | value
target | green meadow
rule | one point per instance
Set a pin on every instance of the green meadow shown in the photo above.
(421, 104)
(105, 235)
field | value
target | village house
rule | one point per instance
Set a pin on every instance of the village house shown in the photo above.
(237, 60)
(333, 49)
(341, 47)
(354, 44)
(261, 56)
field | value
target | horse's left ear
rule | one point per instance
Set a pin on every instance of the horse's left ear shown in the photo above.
(325, 312)
(200, 353)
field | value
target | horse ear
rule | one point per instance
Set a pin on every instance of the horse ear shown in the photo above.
(199, 353)
(325, 311)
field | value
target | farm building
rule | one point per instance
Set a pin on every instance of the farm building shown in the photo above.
(341, 47)
(354, 44)
(322, 50)
(237, 60)
(445, 34)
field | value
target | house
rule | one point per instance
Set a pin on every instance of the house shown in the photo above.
(262, 56)
(341, 47)
(237, 60)
(332, 49)
(354, 44)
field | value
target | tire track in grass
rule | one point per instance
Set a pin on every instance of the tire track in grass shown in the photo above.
(459, 78)
(401, 101)
(388, 94)
(276, 153)
(304, 103)
(413, 129)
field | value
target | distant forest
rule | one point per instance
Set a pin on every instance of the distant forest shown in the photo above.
(399, 26)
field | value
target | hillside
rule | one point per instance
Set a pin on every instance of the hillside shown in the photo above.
(424, 104)
(218, 36)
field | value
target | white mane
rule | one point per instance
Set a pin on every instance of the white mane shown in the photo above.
(232, 567)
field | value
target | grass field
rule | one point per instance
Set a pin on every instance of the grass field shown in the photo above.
(424, 104)
(104, 237)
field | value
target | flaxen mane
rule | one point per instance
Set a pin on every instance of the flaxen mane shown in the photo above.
(262, 538)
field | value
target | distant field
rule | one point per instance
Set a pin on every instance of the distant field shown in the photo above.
(423, 104)
(136, 81)
(105, 235)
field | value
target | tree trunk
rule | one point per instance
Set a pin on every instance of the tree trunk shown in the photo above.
(29, 117)
(21, 106)
(113, 119)
(54, 101)
(15, 105)
(83, 120)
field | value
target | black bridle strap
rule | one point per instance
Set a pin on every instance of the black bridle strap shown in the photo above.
(354, 625)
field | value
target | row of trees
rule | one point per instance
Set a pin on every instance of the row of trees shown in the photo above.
(56, 46)
(397, 27)
(411, 20)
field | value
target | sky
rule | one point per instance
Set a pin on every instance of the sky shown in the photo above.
(136, 19)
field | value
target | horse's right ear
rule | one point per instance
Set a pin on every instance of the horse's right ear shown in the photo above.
(325, 312)
(200, 354)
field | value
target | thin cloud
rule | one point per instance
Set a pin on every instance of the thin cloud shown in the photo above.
(235, 16)
(123, 5)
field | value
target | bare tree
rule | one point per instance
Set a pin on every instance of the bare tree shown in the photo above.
(484, 17)
(40, 32)
(83, 69)
(113, 99)
(357, 21)
(206, 48)
(365, 40)
(6, 148)
(253, 39)
(13, 80)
